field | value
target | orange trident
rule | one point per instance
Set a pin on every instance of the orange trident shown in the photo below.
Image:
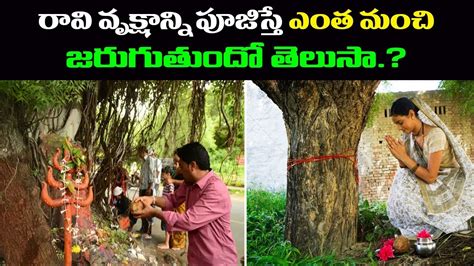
(70, 188)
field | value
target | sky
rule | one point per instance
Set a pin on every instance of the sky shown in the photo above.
(408, 85)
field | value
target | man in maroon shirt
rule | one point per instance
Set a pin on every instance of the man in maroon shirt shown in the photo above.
(208, 205)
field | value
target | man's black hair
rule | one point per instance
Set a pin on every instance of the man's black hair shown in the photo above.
(194, 151)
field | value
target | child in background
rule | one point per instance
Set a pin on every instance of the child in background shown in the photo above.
(168, 188)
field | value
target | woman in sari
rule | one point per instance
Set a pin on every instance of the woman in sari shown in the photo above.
(434, 188)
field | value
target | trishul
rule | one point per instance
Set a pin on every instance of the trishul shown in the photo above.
(70, 201)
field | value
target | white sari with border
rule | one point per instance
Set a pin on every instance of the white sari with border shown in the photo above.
(444, 206)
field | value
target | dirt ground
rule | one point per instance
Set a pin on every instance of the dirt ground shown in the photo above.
(149, 247)
(162, 256)
(451, 249)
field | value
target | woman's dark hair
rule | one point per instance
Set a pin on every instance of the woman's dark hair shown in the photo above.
(170, 170)
(194, 151)
(402, 106)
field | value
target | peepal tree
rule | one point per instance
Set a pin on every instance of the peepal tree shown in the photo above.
(322, 118)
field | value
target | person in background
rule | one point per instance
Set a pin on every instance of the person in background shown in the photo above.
(178, 238)
(156, 166)
(168, 189)
(135, 178)
(121, 207)
(146, 186)
(120, 180)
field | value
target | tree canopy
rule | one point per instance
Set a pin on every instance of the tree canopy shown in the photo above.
(462, 91)
(118, 115)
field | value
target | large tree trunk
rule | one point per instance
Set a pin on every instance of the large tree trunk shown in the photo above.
(322, 118)
(25, 237)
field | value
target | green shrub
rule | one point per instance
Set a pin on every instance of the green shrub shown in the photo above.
(373, 222)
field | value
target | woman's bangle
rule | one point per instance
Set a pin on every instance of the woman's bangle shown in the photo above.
(153, 200)
(414, 168)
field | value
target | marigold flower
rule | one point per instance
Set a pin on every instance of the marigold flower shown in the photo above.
(76, 249)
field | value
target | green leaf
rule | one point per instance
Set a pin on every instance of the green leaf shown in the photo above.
(70, 165)
(70, 186)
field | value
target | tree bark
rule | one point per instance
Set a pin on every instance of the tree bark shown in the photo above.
(72, 124)
(25, 237)
(197, 110)
(322, 118)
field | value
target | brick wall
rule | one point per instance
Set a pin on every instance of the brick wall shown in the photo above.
(377, 166)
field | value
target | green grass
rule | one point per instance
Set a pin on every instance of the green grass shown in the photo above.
(232, 174)
(265, 234)
(237, 192)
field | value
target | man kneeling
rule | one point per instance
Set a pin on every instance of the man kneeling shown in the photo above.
(121, 209)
